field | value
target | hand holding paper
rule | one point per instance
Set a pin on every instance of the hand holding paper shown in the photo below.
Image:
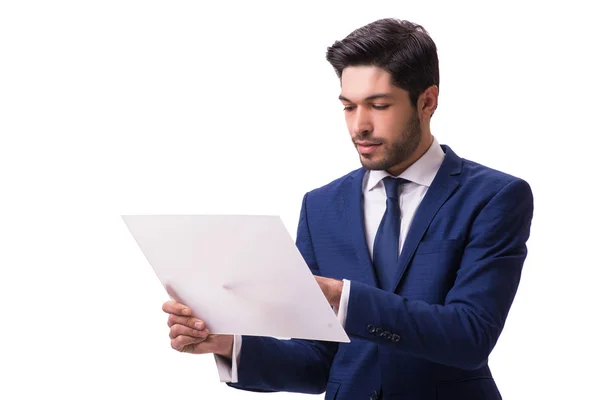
(189, 334)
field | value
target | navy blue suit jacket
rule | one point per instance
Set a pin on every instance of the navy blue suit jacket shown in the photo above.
(431, 336)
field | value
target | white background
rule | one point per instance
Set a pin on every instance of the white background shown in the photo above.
(113, 107)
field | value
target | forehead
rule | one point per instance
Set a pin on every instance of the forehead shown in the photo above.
(359, 82)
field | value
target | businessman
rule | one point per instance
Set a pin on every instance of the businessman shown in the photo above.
(419, 251)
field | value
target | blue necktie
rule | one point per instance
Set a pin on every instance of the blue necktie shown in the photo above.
(387, 239)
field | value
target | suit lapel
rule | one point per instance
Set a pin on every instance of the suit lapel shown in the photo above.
(353, 199)
(444, 184)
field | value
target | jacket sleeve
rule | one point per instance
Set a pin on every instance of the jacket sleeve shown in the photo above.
(269, 364)
(463, 331)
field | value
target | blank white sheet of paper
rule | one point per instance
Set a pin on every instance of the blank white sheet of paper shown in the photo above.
(241, 274)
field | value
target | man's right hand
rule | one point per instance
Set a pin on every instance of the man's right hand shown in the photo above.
(189, 334)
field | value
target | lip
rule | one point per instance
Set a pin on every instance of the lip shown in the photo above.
(367, 148)
(365, 143)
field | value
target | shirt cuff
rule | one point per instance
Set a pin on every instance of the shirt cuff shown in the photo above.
(228, 369)
(343, 308)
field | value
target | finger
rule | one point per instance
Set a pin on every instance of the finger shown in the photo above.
(190, 322)
(173, 307)
(180, 342)
(179, 330)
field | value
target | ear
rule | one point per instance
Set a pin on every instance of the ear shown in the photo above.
(427, 102)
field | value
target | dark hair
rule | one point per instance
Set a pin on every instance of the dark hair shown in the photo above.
(402, 48)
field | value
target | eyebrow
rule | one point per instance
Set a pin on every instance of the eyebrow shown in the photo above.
(372, 97)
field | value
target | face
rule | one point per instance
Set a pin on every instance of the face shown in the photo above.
(383, 124)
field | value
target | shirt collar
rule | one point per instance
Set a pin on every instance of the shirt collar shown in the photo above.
(421, 172)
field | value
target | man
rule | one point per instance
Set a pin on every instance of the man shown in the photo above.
(419, 251)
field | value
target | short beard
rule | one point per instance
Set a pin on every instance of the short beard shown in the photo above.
(399, 151)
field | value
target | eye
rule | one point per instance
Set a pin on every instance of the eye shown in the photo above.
(348, 108)
(381, 107)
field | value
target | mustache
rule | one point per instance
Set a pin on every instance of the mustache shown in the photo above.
(367, 139)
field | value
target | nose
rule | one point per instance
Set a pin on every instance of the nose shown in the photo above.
(360, 122)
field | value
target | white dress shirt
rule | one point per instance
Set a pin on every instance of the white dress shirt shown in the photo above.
(420, 174)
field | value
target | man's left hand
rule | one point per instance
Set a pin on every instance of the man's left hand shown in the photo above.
(332, 289)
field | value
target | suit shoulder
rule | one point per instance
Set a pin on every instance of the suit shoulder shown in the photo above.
(489, 183)
(482, 176)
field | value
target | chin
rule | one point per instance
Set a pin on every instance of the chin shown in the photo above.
(371, 164)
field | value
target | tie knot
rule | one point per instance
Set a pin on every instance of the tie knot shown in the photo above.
(391, 186)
